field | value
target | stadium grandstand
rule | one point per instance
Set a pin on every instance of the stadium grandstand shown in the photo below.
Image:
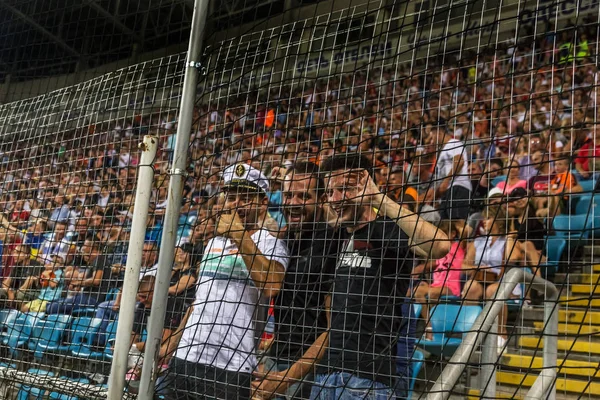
(362, 199)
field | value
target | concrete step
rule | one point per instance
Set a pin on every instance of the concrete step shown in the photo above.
(577, 278)
(578, 317)
(561, 355)
(585, 289)
(579, 300)
(566, 367)
(571, 329)
(575, 345)
(562, 384)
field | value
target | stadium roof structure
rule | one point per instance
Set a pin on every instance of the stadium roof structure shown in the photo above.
(43, 38)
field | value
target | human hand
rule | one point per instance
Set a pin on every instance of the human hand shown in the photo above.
(369, 190)
(231, 226)
(268, 384)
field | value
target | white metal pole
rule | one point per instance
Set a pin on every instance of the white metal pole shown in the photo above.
(145, 179)
(178, 173)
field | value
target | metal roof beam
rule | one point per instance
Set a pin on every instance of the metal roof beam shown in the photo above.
(61, 43)
(114, 20)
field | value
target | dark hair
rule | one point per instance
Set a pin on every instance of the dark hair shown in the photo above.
(308, 168)
(497, 161)
(345, 162)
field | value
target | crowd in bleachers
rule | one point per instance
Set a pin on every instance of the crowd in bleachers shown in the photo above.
(492, 151)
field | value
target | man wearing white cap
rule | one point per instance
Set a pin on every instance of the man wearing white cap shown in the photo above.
(242, 266)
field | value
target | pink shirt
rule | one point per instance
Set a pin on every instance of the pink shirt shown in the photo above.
(508, 189)
(447, 270)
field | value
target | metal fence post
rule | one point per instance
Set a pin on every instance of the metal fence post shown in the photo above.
(177, 176)
(143, 191)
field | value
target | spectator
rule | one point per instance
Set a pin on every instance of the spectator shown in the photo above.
(61, 211)
(445, 273)
(485, 261)
(299, 307)
(87, 285)
(219, 360)
(56, 245)
(561, 187)
(376, 245)
(513, 179)
(51, 285)
(452, 183)
(585, 162)
(18, 281)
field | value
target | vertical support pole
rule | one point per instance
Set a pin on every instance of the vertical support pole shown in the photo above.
(551, 342)
(143, 191)
(489, 356)
(169, 234)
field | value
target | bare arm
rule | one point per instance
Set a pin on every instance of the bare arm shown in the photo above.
(468, 264)
(422, 234)
(267, 274)
(169, 345)
(182, 285)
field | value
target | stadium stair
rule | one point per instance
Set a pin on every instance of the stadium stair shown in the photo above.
(578, 336)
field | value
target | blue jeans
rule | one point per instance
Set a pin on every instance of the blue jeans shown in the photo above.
(106, 314)
(343, 385)
(66, 306)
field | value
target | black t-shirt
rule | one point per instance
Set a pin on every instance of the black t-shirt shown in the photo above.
(372, 279)
(20, 272)
(299, 306)
(175, 312)
(479, 195)
(101, 263)
(532, 230)
(189, 294)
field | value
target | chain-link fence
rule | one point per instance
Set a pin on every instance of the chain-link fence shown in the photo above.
(367, 186)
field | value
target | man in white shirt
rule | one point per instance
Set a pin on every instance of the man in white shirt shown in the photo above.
(452, 181)
(242, 267)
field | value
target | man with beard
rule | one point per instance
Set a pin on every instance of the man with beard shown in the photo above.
(242, 267)
(300, 318)
(372, 276)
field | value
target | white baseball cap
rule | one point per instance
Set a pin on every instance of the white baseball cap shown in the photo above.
(245, 176)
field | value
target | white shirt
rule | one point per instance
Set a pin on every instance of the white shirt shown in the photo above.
(445, 164)
(220, 331)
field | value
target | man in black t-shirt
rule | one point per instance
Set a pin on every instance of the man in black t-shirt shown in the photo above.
(371, 280)
(299, 307)
(89, 284)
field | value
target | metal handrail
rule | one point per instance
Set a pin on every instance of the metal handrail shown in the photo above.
(544, 383)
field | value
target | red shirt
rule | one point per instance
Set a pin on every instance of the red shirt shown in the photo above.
(586, 153)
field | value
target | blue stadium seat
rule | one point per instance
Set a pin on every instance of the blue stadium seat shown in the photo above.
(32, 393)
(417, 362)
(84, 331)
(111, 335)
(61, 396)
(112, 294)
(584, 205)
(7, 317)
(571, 227)
(498, 179)
(48, 335)
(417, 308)
(449, 323)
(84, 312)
(587, 185)
(18, 332)
(555, 247)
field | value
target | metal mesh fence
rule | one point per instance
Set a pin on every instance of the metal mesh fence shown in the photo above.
(367, 186)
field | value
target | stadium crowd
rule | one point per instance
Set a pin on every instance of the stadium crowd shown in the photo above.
(477, 158)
